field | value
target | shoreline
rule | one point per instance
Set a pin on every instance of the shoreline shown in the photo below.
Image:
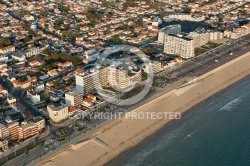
(120, 138)
(129, 153)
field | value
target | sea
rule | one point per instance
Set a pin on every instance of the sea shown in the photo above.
(215, 132)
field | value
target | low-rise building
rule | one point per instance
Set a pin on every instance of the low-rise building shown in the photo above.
(57, 113)
(3, 91)
(27, 130)
(13, 130)
(89, 101)
(39, 122)
(11, 99)
(21, 84)
(33, 95)
(7, 49)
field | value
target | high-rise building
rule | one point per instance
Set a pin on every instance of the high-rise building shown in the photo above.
(171, 29)
(179, 45)
(85, 82)
(73, 98)
(118, 77)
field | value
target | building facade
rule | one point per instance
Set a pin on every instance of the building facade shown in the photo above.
(172, 29)
(179, 45)
(73, 98)
(57, 113)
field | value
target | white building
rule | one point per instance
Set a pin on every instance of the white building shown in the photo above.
(238, 32)
(172, 29)
(57, 113)
(19, 56)
(215, 35)
(3, 58)
(11, 100)
(179, 45)
(39, 122)
(117, 77)
(73, 98)
(8, 49)
(85, 82)
(33, 96)
(200, 39)
(183, 16)
(91, 55)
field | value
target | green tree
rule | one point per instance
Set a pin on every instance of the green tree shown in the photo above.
(187, 10)
(57, 85)
(55, 56)
(4, 42)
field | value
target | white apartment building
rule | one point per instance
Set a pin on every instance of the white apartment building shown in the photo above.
(73, 98)
(110, 76)
(85, 82)
(39, 122)
(172, 29)
(157, 66)
(33, 96)
(4, 131)
(238, 32)
(199, 39)
(183, 16)
(216, 35)
(57, 113)
(179, 45)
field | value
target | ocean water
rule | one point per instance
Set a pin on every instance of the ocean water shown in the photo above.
(217, 132)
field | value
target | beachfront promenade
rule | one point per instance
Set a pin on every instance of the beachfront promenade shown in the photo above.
(122, 134)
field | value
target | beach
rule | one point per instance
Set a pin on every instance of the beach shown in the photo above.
(122, 134)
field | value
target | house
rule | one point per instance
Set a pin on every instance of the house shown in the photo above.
(34, 63)
(44, 77)
(89, 101)
(33, 79)
(3, 69)
(21, 84)
(32, 95)
(3, 91)
(11, 100)
(65, 64)
(52, 73)
(18, 56)
(3, 58)
(7, 49)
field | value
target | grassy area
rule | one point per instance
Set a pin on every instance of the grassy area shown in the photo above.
(205, 48)
(132, 93)
(198, 51)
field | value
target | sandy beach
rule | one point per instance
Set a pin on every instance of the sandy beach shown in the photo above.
(125, 133)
